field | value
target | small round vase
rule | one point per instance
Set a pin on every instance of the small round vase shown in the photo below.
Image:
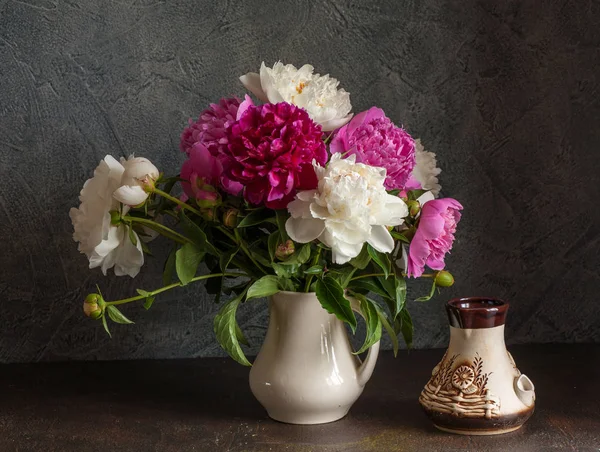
(306, 372)
(477, 388)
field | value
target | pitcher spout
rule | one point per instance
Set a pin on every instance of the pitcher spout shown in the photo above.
(525, 390)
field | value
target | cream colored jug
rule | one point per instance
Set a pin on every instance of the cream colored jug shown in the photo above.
(477, 388)
(306, 372)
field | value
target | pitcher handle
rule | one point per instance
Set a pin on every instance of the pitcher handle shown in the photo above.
(365, 370)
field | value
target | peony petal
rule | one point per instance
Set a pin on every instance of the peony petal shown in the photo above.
(336, 123)
(130, 195)
(381, 239)
(244, 106)
(299, 208)
(394, 213)
(304, 230)
(251, 82)
(425, 197)
(129, 257)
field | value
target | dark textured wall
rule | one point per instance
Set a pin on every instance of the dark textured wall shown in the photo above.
(506, 93)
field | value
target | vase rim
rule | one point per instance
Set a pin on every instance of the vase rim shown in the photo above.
(476, 312)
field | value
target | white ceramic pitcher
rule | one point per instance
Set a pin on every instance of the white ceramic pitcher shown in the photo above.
(306, 372)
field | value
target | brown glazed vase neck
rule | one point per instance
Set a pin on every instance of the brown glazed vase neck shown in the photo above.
(476, 312)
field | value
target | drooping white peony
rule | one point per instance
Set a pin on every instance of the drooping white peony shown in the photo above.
(104, 244)
(318, 95)
(138, 172)
(349, 207)
(425, 172)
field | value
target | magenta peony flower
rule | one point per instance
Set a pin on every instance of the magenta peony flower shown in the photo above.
(434, 236)
(270, 152)
(210, 127)
(202, 172)
(376, 141)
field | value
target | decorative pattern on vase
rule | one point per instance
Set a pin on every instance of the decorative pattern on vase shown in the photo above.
(460, 388)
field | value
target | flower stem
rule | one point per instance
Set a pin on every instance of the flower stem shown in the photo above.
(315, 261)
(177, 201)
(160, 228)
(431, 275)
(171, 286)
(245, 249)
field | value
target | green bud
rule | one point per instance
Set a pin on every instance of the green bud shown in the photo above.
(115, 217)
(230, 218)
(91, 306)
(413, 207)
(208, 214)
(444, 279)
(285, 250)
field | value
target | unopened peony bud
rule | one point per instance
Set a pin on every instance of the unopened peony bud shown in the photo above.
(91, 306)
(413, 207)
(207, 196)
(230, 218)
(285, 250)
(137, 181)
(444, 279)
(208, 214)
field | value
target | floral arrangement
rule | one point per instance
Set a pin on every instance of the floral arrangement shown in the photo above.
(290, 194)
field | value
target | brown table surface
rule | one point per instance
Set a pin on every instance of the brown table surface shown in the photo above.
(205, 404)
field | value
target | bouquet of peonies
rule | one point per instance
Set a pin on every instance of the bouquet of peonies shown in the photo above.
(290, 194)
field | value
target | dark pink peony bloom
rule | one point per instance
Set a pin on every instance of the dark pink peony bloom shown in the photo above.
(202, 172)
(211, 126)
(434, 236)
(376, 141)
(270, 152)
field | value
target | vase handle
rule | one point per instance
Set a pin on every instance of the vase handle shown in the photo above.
(365, 370)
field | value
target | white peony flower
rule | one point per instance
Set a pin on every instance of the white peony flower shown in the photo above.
(104, 244)
(318, 95)
(138, 173)
(349, 207)
(426, 170)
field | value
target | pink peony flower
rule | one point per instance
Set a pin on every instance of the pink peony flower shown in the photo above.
(376, 141)
(270, 152)
(202, 172)
(211, 126)
(434, 236)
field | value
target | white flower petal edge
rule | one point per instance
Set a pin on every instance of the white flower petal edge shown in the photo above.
(138, 172)
(318, 95)
(426, 170)
(349, 207)
(105, 244)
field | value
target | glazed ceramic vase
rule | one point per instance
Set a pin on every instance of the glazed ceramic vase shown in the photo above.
(477, 388)
(306, 372)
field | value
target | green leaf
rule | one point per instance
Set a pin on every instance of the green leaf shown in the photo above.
(399, 236)
(228, 331)
(362, 260)
(285, 271)
(145, 248)
(187, 259)
(132, 235)
(226, 258)
(380, 259)
(274, 240)
(281, 218)
(169, 268)
(331, 297)
(413, 195)
(314, 270)
(368, 284)
(299, 257)
(260, 258)
(264, 287)
(256, 217)
(105, 325)
(428, 297)
(388, 328)
(148, 302)
(116, 315)
(406, 327)
(196, 234)
(396, 291)
(372, 321)
(240, 336)
(343, 275)
(286, 284)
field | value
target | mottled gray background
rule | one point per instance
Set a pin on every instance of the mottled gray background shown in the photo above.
(506, 93)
